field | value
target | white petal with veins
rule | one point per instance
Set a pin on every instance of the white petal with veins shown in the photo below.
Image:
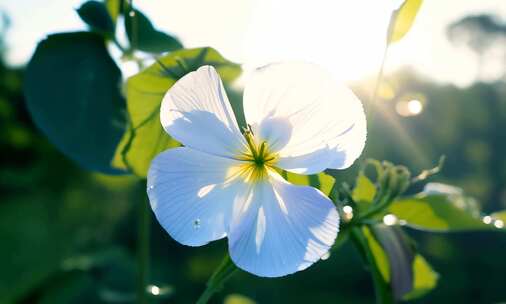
(192, 194)
(281, 228)
(196, 112)
(321, 123)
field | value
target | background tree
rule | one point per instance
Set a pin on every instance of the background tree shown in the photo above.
(480, 33)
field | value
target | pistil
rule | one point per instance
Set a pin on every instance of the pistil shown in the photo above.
(258, 159)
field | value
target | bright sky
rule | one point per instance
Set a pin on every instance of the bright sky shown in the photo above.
(345, 36)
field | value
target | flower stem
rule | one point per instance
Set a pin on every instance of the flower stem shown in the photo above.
(220, 275)
(381, 288)
(377, 208)
(379, 78)
(144, 222)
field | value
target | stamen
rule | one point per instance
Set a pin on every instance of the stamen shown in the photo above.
(270, 158)
(251, 144)
(258, 159)
(262, 149)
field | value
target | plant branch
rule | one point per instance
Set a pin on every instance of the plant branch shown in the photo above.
(381, 288)
(383, 203)
(144, 222)
(226, 269)
(379, 78)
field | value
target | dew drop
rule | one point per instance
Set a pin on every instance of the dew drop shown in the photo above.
(347, 209)
(153, 289)
(348, 212)
(196, 224)
(151, 187)
(499, 224)
(131, 13)
(487, 219)
(390, 220)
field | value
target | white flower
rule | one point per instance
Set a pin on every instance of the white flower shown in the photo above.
(224, 183)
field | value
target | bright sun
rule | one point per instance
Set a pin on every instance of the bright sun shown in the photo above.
(347, 37)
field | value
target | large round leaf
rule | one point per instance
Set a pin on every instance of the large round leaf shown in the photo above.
(72, 89)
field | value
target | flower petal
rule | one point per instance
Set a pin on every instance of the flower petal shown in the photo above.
(281, 228)
(192, 194)
(197, 113)
(317, 124)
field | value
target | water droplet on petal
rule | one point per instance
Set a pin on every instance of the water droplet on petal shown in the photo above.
(196, 224)
(151, 187)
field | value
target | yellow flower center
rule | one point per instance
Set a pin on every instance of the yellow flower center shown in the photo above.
(258, 160)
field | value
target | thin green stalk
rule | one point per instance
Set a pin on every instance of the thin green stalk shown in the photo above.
(379, 78)
(119, 46)
(143, 251)
(381, 288)
(226, 269)
(377, 208)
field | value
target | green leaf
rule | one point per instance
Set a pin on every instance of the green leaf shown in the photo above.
(376, 260)
(425, 279)
(402, 19)
(436, 212)
(237, 299)
(364, 190)
(380, 256)
(500, 215)
(146, 137)
(363, 193)
(72, 93)
(407, 272)
(96, 15)
(322, 181)
(114, 9)
(144, 37)
(400, 258)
